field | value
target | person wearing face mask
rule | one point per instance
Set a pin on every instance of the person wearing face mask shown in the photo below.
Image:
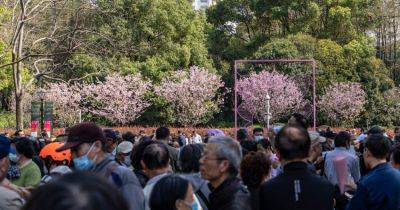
(88, 147)
(123, 151)
(13, 170)
(9, 199)
(258, 134)
(30, 172)
(173, 193)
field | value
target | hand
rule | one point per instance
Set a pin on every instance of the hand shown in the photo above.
(351, 184)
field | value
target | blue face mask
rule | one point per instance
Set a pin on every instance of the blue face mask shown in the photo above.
(84, 163)
(127, 161)
(195, 205)
(13, 157)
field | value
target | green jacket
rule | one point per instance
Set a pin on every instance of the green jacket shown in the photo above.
(30, 176)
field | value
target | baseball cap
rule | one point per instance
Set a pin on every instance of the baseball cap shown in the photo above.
(110, 134)
(86, 132)
(316, 137)
(4, 146)
(125, 147)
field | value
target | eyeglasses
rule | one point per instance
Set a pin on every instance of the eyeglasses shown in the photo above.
(205, 157)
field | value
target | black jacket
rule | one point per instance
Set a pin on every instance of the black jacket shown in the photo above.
(230, 195)
(297, 188)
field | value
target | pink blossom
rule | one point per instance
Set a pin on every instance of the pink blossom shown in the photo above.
(343, 101)
(193, 95)
(285, 95)
(119, 99)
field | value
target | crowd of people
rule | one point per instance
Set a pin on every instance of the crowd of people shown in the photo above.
(284, 168)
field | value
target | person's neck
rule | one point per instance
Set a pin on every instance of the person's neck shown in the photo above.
(100, 157)
(217, 182)
(156, 172)
(284, 162)
(163, 140)
(376, 162)
(22, 161)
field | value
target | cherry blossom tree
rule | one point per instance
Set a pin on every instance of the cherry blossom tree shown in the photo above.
(285, 95)
(66, 99)
(343, 102)
(193, 95)
(119, 99)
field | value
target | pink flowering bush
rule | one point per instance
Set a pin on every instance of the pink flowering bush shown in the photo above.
(285, 95)
(193, 95)
(119, 99)
(343, 102)
(66, 99)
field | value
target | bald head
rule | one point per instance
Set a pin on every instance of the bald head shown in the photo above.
(293, 143)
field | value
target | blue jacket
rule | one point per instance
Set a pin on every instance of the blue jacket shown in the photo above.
(378, 190)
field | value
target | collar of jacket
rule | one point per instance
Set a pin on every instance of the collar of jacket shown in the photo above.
(296, 166)
(380, 167)
(224, 184)
(99, 167)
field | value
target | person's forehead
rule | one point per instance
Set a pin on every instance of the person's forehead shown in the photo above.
(80, 147)
(210, 147)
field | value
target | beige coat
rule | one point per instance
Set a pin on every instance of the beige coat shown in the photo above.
(10, 200)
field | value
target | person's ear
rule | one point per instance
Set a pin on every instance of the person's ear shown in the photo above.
(178, 204)
(143, 165)
(224, 166)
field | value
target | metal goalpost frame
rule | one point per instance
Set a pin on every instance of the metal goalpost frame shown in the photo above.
(274, 62)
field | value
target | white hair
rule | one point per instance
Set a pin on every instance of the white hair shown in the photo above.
(229, 149)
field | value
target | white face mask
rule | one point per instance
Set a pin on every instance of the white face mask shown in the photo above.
(258, 138)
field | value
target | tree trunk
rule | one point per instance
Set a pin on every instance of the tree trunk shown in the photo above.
(17, 69)
(19, 114)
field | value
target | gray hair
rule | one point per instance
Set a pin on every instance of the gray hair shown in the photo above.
(229, 149)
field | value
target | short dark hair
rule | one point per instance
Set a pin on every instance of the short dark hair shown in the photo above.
(129, 136)
(378, 145)
(241, 134)
(301, 121)
(110, 134)
(17, 132)
(189, 157)
(265, 143)
(156, 156)
(375, 130)
(78, 191)
(162, 133)
(137, 153)
(254, 168)
(396, 154)
(167, 191)
(342, 139)
(25, 147)
(248, 146)
(293, 146)
(255, 130)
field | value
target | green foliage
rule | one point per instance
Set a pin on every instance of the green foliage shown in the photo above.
(277, 49)
(152, 36)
